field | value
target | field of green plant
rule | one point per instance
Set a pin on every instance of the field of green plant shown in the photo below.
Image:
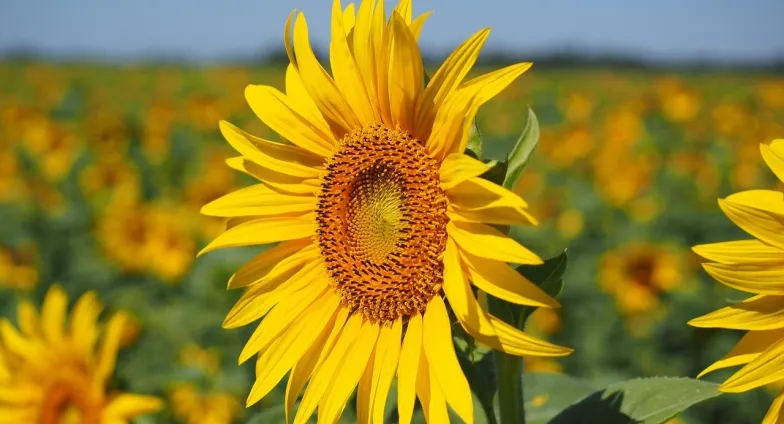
(103, 171)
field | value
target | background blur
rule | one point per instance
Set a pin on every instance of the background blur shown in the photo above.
(109, 146)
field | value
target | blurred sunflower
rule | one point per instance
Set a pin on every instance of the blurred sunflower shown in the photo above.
(636, 275)
(147, 237)
(53, 374)
(380, 216)
(191, 407)
(754, 266)
(19, 267)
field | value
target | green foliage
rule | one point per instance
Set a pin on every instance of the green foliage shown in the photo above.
(522, 151)
(642, 400)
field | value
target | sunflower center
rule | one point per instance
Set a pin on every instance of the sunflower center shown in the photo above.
(382, 223)
(68, 401)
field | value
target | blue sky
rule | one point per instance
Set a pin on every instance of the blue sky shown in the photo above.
(209, 30)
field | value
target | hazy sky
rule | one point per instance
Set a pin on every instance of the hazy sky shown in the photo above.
(209, 30)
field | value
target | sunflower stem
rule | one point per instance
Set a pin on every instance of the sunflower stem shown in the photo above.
(511, 404)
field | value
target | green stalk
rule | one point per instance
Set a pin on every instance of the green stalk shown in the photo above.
(509, 377)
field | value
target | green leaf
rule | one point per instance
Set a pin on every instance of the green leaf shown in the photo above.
(522, 151)
(548, 394)
(643, 400)
(475, 143)
(549, 275)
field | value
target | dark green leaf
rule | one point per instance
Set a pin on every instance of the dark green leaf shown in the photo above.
(548, 394)
(522, 151)
(548, 276)
(643, 400)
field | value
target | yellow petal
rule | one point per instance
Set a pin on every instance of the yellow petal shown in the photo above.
(406, 74)
(499, 216)
(258, 200)
(500, 280)
(408, 368)
(320, 86)
(84, 323)
(19, 394)
(458, 167)
(110, 344)
(275, 110)
(325, 371)
(773, 155)
(314, 356)
(386, 367)
(759, 213)
(349, 18)
(260, 298)
(29, 322)
(287, 39)
(274, 262)
(365, 53)
(485, 328)
(445, 81)
(379, 33)
(364, 389)
(746, 252)
(487, 242)
(405, 9)
(478, 193)
(348, 374)
(348, 79)
(53, 315)
(454, 118)
(279, 181)
(127, 406)
(289, 160)
(437, 343)
(377, 378)
(265, 230)
(281, 356)
(429, 394)
(300, 100)
(418, 23)
(748, 347)
(749, 278)
(18, 345)
(766, 368)
(477, 199)
(775, 414)
(281, 317)
(761, 312)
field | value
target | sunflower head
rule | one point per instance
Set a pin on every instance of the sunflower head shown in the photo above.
(51, 373)
(755, 266)
(380, 217)
(638, 274)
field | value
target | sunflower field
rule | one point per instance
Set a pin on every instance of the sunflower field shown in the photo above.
(104, 170)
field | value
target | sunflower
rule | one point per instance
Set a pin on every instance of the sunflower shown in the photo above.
(637, 274)
(754, 266)
(52, 374)
(380, 216)
(190, 406)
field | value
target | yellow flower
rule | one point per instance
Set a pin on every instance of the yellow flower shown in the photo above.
(19, 267)
(206, 360)
(754, 266)
(380, 218)
(679, 103)
(51, 373)
(635, 275)
(192, 407)
(147, 237)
